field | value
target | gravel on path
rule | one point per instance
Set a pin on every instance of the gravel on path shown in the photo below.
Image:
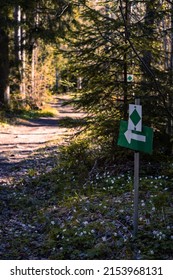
(34, 143)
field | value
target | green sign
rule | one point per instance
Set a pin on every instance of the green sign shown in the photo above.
(135, 140)
(135, 117)
(129, 78)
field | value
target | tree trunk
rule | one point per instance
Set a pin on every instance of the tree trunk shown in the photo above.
(23, 58)
(170, 98)
(33, 70)
(4, 66)
(17, 35)
(125, 58)
(149, 22)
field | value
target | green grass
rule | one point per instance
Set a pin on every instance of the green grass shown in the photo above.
(33, 114)
(26, 114)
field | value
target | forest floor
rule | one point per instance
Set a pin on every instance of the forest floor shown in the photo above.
(24, 143)
(57, 203)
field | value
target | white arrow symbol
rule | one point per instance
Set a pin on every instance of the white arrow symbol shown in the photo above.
(130, 135)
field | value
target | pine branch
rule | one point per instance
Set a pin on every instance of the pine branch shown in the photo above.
(148, 69)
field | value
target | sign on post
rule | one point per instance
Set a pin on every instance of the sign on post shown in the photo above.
(129, 77)
(135, 117)
(135, 140)
(137, 137)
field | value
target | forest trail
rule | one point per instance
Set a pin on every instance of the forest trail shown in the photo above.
(21, 142)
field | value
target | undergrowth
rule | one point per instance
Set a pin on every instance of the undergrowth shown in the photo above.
(83, 209)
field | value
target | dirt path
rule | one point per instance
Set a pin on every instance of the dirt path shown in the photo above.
(19, 143)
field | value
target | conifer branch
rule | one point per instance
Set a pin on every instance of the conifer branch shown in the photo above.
(150, 72)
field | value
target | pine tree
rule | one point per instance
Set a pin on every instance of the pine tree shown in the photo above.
(114, 39)
(100, 54)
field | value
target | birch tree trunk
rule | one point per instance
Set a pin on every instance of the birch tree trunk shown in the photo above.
(23, 58)
(19, 49)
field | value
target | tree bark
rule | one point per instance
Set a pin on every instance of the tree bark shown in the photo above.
(4, 66)
(149, 22)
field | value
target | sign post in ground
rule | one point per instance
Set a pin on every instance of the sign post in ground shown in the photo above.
(136, 187)
(137, 137)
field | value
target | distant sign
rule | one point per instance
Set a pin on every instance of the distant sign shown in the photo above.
(129, 78)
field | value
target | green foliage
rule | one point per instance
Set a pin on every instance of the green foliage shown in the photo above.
(103, 53)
